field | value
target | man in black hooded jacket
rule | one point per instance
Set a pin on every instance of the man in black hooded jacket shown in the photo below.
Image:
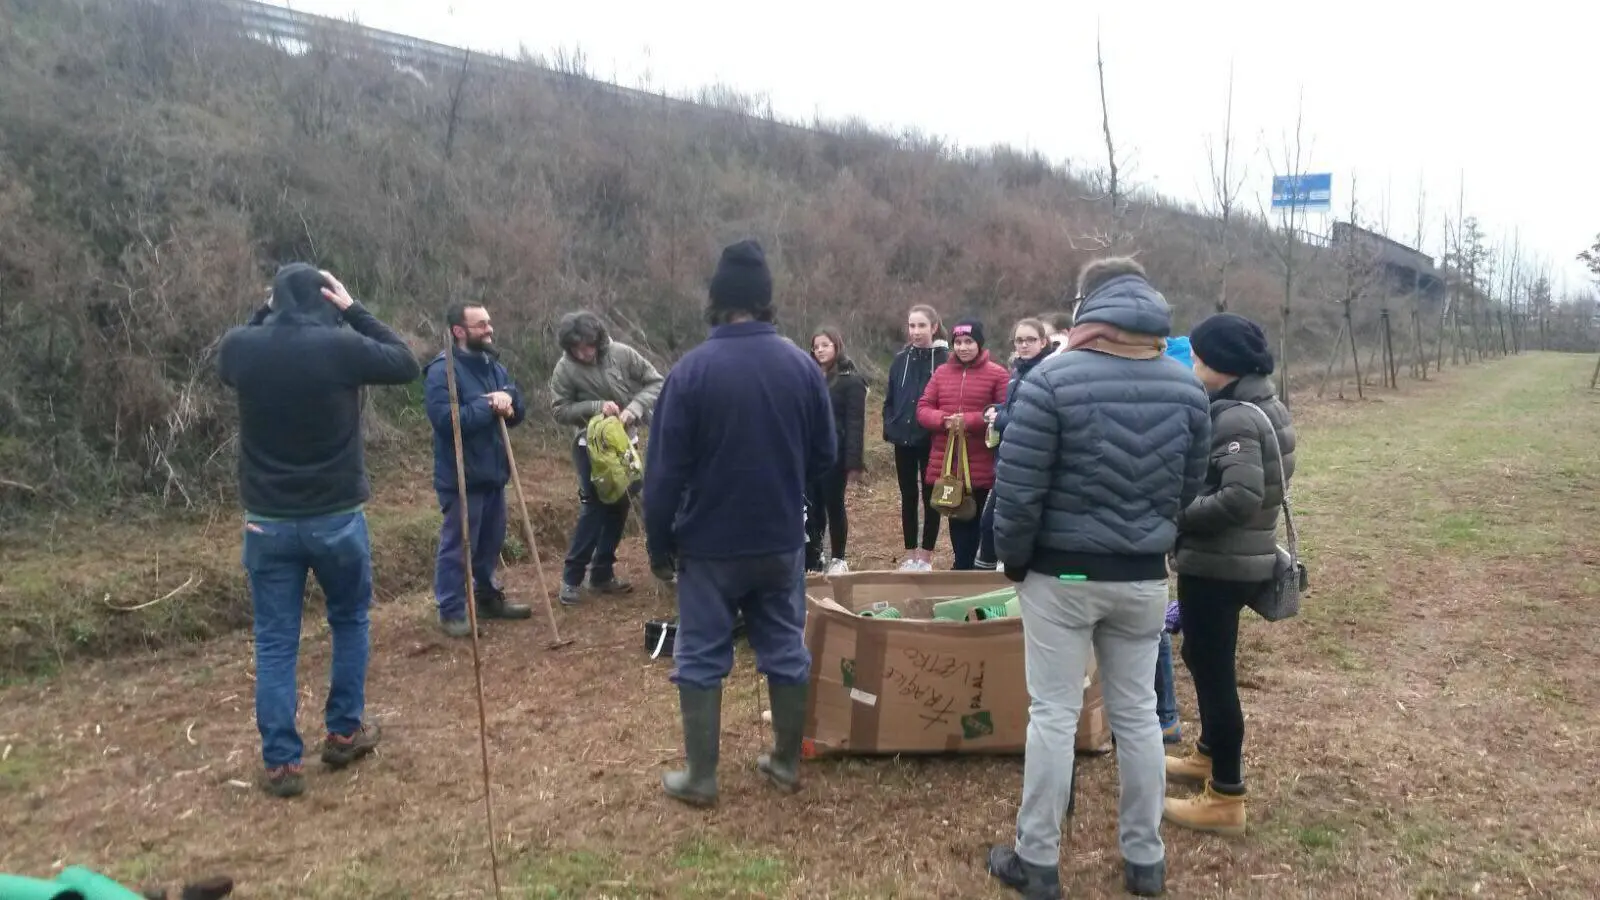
(298, 371)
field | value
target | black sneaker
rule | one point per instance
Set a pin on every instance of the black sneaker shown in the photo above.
(492, 604)
(339, 751)
(613, 586)
(1033, 882)
(1145, 881)
(284, 781)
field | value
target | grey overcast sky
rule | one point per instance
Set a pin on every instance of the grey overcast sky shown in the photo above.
(1396, 93)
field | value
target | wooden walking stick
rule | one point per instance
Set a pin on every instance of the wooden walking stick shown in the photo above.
(472, 608)
(533, 545)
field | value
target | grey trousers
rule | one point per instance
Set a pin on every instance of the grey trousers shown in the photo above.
(1061, 622)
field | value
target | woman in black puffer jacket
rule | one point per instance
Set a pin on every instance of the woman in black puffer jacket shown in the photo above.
(825, 506)
(1226, 554)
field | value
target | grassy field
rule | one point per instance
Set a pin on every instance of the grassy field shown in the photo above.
(1418, 732)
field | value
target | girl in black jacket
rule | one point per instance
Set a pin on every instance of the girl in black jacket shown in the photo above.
(1226, 554)
(909, 375)
(825, 500)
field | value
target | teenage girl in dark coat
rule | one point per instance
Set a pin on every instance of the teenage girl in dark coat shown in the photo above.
(909, 374)
(825, 507)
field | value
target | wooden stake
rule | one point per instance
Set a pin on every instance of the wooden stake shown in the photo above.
(472, 606)
(533, 545)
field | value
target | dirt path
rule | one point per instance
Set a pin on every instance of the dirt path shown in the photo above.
(1422, 731)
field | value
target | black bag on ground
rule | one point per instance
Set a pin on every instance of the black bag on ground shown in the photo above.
(661, 634)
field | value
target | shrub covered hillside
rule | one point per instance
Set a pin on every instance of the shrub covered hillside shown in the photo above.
(156, 164)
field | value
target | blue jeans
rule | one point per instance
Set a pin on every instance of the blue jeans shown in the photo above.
(771, 593)
(486, 522)
(599, 530)
(276, 557)
(1166, 689)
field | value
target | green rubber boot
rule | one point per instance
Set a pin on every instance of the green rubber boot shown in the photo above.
(782, 765)
(702, 736)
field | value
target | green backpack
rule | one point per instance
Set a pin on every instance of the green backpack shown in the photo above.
(614, 463)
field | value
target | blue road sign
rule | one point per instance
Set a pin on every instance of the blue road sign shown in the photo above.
(1312, 193)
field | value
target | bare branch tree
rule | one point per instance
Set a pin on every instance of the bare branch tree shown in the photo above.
(1292, 166)
(1105, 123)
(1358, 257)
(1416, 284)
(1539, 301)
(1226, 183)
(456, 94)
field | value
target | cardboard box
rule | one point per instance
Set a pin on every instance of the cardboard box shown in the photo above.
(913, 685)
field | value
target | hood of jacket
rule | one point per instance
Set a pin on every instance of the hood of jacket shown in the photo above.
(1248, 388)
(844, 365)
(1129, 303)
(580, 327)
(297, 297)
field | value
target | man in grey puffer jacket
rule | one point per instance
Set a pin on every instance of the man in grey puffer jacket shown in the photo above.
(1107, 443)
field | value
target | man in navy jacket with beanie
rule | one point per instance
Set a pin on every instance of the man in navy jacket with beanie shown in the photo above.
(743, 424)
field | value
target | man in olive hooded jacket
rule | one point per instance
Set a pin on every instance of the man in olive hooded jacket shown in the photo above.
(597, 376)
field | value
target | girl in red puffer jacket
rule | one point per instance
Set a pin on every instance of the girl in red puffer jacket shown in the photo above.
(962, 388)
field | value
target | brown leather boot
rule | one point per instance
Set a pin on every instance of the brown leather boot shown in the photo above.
(1192, 769)
(1210, 812)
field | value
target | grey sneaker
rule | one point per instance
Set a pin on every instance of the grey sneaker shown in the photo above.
(569, 595)
(284, 781)
(456, 628)
(340, 750)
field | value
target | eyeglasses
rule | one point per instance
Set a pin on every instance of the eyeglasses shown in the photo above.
(1024, 341)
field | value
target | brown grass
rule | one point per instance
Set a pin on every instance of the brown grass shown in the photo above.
(1418, 732)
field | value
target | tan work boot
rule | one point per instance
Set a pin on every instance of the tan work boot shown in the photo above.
(1211, 812)
(1192, 769)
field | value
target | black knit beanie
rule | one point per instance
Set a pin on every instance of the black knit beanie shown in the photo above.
(971, 328)
(742, 281)
(1232, 345)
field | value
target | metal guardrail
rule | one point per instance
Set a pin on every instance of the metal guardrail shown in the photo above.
(282, 24)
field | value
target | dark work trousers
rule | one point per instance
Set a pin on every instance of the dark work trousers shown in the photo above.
(1209, 610)
(599, 529)
(964, 536)
(910, 465)
(770, 591)
(486, 523)
(825, 511)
